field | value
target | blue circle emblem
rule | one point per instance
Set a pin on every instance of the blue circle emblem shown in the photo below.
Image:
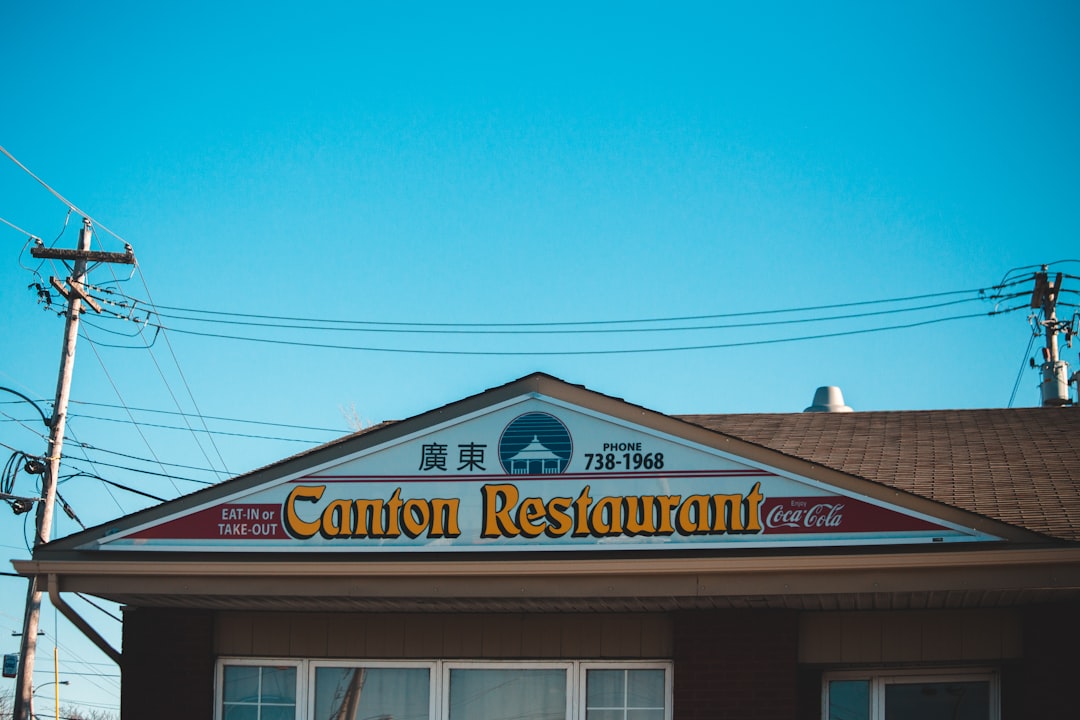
(535, 443)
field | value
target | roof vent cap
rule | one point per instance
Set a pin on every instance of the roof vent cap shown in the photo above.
(828, 399)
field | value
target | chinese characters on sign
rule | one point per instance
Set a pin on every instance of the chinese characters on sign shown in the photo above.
(470, 457)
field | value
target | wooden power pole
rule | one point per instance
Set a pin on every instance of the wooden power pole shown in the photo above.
(76, 298)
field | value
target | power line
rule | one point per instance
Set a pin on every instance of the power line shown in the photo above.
(15, 227)
(579, 331)
(63, 229)
(335, 431)
(82, 447)
(142, 459)
(114, 484)
(183, 379)
(170, 476)
(45, 509)
(94, 605)
(73, 673)
(577, 327)
(1023, 366)
(120, 397)
(209, 432)
(71, 206)
(576, 323)
(215, 417)
(574, 327)
(194, 435)
(22, 423)
(44, 419)
(621, 351)
(72, 656)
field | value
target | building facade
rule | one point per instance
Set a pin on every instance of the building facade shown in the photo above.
(542, 551)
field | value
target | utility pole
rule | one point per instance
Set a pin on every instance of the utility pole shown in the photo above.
(76, 296)
(1054, 385)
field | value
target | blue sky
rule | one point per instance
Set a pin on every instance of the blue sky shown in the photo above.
(483, 163)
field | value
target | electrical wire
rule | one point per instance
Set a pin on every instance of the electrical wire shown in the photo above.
(210, 432)
(183, 379)
(577, 323)
(71, 206)
(73, 657)
(620, 351)
(93, 604)
(69, 511)
(1039, 267)
(176, 402)
(70, 430)
(23, 424)
(637, 326)
(215, 417)
(115, 332)
(9, 447)
(63, 229)
(576, 327)
(168, 387)
(95, 224)
(578, 331)
(114, 484)
(120, 397)
(45, 420)
(146, 460)
(169, 476)
(562, 327)
(15, 227)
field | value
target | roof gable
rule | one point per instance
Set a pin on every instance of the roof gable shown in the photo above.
(537, 465)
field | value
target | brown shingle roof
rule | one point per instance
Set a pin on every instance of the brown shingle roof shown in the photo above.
(1019, 466)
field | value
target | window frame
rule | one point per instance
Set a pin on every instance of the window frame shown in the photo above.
(261, 662)
(585, 665)
(880, 678)
(314, 665)
(449, 665)
(439, 678)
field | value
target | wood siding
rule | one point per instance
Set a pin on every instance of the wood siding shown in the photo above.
(900, 637)
(465, 636)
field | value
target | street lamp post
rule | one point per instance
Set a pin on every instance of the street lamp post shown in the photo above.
(57, 683)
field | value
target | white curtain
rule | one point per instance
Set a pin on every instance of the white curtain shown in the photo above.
(355, 693)
(511, 694)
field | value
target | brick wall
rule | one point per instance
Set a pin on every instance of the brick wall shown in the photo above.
(736, 664)
(168, 665)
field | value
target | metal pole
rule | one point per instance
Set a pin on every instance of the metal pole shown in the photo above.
(25, 690)
(1054, 386)
(56, 679)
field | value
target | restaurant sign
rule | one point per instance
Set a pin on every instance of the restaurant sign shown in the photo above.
(536, 474)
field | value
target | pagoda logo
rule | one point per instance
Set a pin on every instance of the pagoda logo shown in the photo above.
(535, 443)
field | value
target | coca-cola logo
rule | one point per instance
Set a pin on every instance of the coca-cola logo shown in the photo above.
(802, 514)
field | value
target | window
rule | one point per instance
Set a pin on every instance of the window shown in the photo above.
(258, 692)
(625, 694)
(914, 695)
(358, 691)
(267, 689)
(508, 693)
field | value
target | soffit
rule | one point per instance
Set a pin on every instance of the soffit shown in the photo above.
(936, 600)
(984, 578)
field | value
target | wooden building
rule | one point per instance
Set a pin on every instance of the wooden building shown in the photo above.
(542, 551)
